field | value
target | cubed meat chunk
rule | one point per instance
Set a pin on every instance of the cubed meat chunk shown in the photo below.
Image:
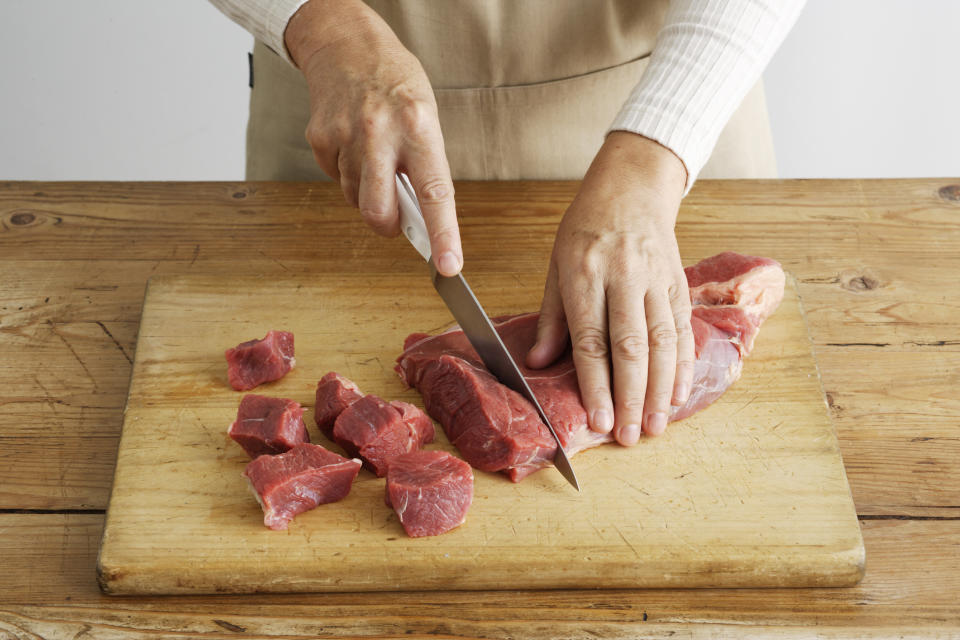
(300, 479)
(268, 426)
(251, 363)
(334, 394)
(430, 491)
(378, 431)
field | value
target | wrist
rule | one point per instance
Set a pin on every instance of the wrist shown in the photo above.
(644, 162)
(325, 24)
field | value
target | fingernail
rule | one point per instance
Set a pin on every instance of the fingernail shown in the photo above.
(448, 264)
(656, 423)
(602, 421)
(683, 392)
(629, 435)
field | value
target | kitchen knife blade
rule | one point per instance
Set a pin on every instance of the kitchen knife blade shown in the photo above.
(471, 317)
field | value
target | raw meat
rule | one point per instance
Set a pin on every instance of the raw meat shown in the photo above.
(377, 431)
(430, 491)
(496, 429)
(252, 363)
(298, 480)
(334, 394)
(267, 426)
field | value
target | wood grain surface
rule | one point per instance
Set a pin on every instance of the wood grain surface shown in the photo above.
(749, 492)
(873, 261)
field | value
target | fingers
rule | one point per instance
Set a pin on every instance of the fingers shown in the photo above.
(551, 326)
(587, 322)
(686, 347)
(378, 195)
(629, 352)
(662, 337)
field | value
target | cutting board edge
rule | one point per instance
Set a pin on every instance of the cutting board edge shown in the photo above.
(842, 568)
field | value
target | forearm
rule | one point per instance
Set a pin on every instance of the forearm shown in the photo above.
(708, 55)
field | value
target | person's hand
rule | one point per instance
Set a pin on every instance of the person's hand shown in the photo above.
(617, 288)
(372, 113)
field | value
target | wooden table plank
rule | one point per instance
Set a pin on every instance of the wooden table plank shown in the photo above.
(906, 586)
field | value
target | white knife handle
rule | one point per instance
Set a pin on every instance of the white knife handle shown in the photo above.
(411, 220)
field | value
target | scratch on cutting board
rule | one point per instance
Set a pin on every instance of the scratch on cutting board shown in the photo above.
(627, 542)
(744, 406)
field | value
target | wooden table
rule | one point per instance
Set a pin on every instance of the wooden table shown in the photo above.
(877, 262)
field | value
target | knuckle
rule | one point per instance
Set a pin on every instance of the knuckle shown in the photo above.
(435, 189)
(663, 337)
(659, 401)
(682, 322)
(591, 342)
(375, 122)
(679, 293)
(442, 236)
(316, 136)
(376, 215)
(632, 347)
(596, 394)
(418, 116)
(632, 404)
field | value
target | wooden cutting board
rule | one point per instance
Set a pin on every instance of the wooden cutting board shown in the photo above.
(749, 492)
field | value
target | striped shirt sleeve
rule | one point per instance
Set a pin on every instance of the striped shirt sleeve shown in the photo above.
(708, 55)
(265, 19)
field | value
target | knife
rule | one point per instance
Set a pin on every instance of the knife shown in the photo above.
(471, 317)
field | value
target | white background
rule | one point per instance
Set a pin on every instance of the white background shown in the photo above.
(136, 90)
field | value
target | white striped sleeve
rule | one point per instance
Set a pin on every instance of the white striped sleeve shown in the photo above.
(266, 20)
(708, 55)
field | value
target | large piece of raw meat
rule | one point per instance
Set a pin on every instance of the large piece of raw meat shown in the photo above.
(496, 429)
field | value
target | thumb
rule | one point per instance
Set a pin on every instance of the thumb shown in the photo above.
(552, 325)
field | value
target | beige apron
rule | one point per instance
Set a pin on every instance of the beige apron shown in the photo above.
(525, 90)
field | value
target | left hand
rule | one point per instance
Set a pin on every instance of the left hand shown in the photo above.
(617, 288)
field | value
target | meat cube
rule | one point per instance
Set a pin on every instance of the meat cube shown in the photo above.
(254, 362)
(430, 491)
(334, 394)
(300, 479)
(378, 432)
(268, 426)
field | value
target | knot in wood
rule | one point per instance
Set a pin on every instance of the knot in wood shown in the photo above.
(856, 280)
(950, 193)
(241, 191)
(22, 218)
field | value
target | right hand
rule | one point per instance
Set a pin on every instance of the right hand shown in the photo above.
(372, 113)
